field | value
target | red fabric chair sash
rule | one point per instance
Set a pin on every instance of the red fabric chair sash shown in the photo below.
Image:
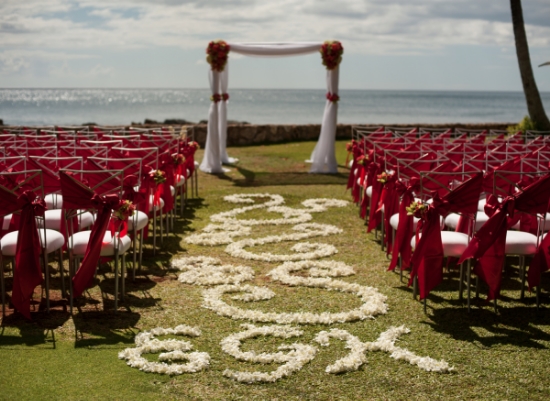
(83, 278)
(404, 233)
(488, 244)
(27, 274)
(427, 260)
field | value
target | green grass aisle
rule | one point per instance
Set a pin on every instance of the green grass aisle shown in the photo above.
(57, 356)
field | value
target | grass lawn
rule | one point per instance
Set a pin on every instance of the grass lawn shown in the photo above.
(495, 356)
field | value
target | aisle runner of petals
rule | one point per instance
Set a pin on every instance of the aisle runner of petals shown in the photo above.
(228, 279)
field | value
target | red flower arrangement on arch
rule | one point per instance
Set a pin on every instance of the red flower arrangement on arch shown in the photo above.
(333, 97)
(331, 52)
(217, 52)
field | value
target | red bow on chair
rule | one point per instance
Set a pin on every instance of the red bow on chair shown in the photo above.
(77, 196)
(84, 276)
(28, 273)
(404, 232)
(488, 244)
(427, 260)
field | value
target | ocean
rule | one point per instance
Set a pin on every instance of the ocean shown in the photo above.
(258, 106)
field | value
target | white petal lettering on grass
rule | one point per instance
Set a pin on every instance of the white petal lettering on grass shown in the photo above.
(304, 251)
(175, 350)
(385, 342)
(202, 270)
(292, 361)
(373, 302)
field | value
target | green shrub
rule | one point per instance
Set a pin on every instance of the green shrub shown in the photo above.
(525, 125)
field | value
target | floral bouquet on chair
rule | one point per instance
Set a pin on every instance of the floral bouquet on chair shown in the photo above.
(382, 177)
(417, 209)
(158, 176)
(178, 159)
(124, 210)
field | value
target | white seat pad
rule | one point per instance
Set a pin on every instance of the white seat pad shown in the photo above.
(6, 222)
(79, 242)
(394, 221)
(53, 240)
(180, 182)
(454, 244)
(369, 191)
(451, 220)
(158, 207)
(139, 219)
(53, 219)
(520, 243)
(53, 201)
(482, 202)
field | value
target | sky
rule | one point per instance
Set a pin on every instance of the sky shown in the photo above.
(388, 44)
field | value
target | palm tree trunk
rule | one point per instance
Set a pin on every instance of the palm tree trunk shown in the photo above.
(532, 96)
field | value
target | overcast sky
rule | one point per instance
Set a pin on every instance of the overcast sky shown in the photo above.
(389, 44)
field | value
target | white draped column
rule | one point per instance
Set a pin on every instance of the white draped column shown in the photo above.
(323, 157)
(211, 163)
(222, 109)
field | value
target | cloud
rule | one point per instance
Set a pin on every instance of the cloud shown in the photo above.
(365, 26)
(99, 70)
(49, 37)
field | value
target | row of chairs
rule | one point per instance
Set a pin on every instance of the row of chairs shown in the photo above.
(146, 177)
(88, 141)
(386, 179)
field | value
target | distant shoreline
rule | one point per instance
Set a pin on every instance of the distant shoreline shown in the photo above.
(255, 134)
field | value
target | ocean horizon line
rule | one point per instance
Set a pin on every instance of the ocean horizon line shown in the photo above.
(271, 89)
(115, 106)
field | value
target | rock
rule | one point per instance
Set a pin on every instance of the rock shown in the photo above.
(177, 121)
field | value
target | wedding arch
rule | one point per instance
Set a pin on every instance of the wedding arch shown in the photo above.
(323, 157)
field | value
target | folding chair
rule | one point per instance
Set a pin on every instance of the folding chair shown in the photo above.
(132, 168)
(104, 196)
(27, 244)
(432, 245)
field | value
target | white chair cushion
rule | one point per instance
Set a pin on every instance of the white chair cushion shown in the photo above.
(139, 219)
(180, 182)
(6, 222)
(520, 243)
(454, 244)
(54, 201)
(158, 207)
(546, 222)
(79, 242)
(369, 191)
(451, 220)
(53, 219)
(483, 201)
(394, 222)
(53, 240)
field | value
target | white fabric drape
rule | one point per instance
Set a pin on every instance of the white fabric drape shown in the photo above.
(323, 156)
(212, 163)
(222, 109)
(275, 49)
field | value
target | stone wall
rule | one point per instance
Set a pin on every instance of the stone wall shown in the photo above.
(249, 134)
